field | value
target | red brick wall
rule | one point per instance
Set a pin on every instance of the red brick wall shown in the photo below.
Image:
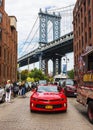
(8, 48)
(82, 22)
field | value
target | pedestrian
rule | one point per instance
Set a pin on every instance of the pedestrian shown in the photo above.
(23, 89)
(8, 88)
(20, 89)
(15, 89)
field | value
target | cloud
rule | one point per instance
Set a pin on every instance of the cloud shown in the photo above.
(26, 12)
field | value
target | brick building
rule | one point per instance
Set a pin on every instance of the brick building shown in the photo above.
(8, 45)
(83, 30)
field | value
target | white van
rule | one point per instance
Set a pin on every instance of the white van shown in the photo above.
(60, 77)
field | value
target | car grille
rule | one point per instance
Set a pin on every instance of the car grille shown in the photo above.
(49, 100)
(54, 106)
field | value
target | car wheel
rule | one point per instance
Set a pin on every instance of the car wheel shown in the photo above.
(3, 98)
(31, 111)
(90, 111)
(65, 110)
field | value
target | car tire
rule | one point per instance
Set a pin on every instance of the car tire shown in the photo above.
(90, 111)
(65, 110)
(31, 111)
(3, 98)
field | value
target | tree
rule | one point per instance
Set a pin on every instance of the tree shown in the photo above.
(30, 79)
(71, 74)
(36, 74)
(24, 74)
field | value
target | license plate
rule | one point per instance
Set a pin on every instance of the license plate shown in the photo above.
(49, 107)
(75, 93)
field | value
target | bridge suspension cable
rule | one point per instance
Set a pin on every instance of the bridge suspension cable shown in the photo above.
(31, 41)
(61, 8)
(29, 35)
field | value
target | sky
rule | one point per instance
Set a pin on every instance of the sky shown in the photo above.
(26, 13)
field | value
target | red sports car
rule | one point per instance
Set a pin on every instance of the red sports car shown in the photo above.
(48, 98)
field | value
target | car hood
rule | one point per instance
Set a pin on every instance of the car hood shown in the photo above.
(48, 95)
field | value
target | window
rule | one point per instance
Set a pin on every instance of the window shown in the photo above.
(76, 22)
(85, 37)
(79, 31)
(81, 13)
(77, 34)
(74, 26)
(0, 17)
(79, 18)
(82, 27)
(0, 51)
(89, 16)
(85, 6)
(82, 41)
(85, 22)
(0, 34)
(88, 2)
(0, 2)
(90, 33)
(0, 70)
(79, 44)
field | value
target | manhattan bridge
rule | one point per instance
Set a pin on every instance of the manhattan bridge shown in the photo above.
(50, 38)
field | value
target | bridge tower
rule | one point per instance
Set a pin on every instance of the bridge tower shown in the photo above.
(44, 18)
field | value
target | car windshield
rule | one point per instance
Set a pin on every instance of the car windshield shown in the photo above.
(69, 82)
(42, 81)
(47, 89)
(58, 79)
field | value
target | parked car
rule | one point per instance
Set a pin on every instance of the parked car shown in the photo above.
(61, 82)
(48, 98)
(2, 94)
(42, 82)
(70, 87)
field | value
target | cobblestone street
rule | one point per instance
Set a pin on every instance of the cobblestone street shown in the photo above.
(17, 116)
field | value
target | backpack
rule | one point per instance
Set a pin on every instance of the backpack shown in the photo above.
(7, 89)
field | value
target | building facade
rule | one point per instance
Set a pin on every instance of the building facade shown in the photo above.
(83, 30)
(8, 45)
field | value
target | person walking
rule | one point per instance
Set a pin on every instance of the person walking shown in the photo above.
(23, 89)
(8, 91)
(15, 89)
(20, 89)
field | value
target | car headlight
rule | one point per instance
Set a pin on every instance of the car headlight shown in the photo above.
(65, 104)
(35, 99)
